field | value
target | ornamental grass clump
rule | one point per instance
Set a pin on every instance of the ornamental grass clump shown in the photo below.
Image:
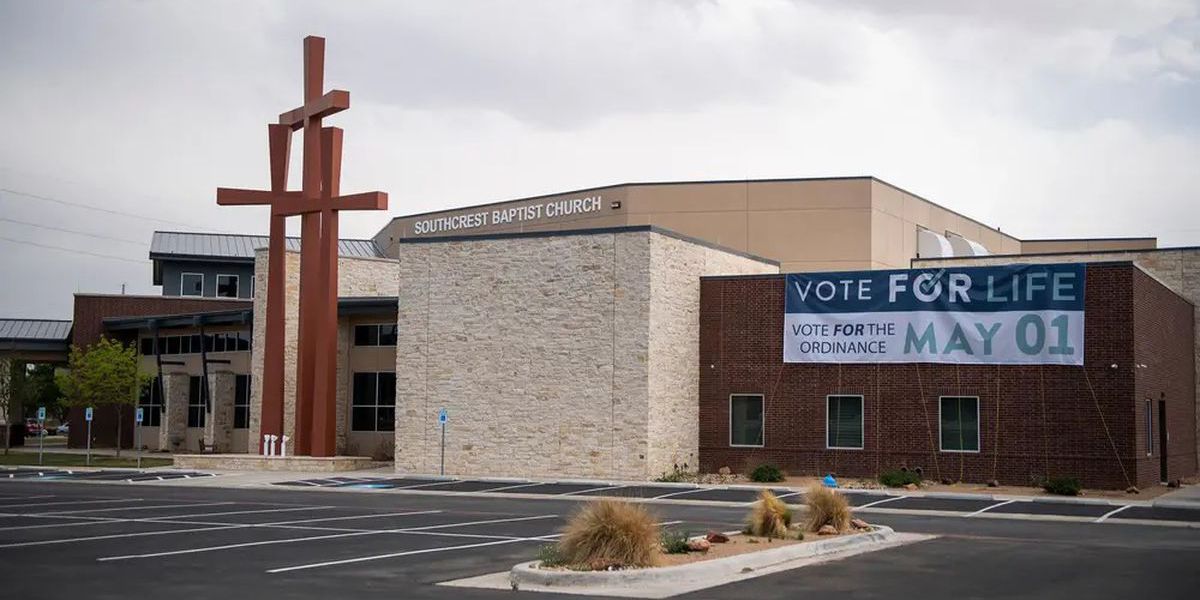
(826, 507)
(770, 516)
(610, 533)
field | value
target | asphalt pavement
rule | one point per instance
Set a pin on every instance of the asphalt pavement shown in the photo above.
(63, 538)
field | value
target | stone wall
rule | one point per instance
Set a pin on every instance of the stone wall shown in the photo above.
(568, 355)
(1176, 268)
(357, 277)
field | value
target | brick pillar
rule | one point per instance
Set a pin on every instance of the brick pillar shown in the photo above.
(218, 426)
(172, 432)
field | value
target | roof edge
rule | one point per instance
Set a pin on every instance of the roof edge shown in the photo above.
(589, 231)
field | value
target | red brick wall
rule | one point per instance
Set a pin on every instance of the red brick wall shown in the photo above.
(1163, 327)
(88, 327)
(1034, 420)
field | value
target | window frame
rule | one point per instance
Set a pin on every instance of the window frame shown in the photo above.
(237, 285)
(375, 406)
(862, 421)
(378, 335)
(978, 425)
(762, 400)
(236, 399)
(193, 404)
(151, 411)
(181, 278)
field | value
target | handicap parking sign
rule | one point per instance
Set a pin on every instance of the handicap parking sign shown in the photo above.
(443, 416)
(41, 413)
(137, 415)
(87, 414)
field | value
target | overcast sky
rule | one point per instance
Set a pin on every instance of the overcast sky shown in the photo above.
(1047, 118)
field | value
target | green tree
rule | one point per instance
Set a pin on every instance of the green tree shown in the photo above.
(41, 389)
(104, 374)
(11, 393)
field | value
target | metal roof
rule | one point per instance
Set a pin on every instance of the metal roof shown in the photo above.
(166, 244)
(35, 330)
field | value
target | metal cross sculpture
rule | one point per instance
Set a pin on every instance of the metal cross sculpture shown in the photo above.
(317, 204)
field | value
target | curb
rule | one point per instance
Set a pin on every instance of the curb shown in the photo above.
(526, 574)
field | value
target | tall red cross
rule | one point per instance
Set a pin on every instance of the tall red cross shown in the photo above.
(318, 204)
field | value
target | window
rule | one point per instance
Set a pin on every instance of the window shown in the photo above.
(227, 286)
(1149, 429)
(253, 281)
(959, 423)
(374, 402)
(375, 335)
(191, 284)
(147, 346)
(844, 422)
(197, 407)
(746, 420)
(151, 404)
(241, 402)
(173, 345)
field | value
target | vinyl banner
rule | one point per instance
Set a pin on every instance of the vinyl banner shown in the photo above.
(1013, 314)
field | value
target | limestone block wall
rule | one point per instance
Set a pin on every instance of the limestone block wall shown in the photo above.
(674, 386)
(1176, 268)
(172, 431)
(551, 353)
(357, 277)
(218, 427)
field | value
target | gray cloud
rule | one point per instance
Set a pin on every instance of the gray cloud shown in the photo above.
(1048, 118)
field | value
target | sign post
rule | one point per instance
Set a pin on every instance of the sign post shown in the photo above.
(138, 415)
(87, 416)
(443, 416)
(41, 416)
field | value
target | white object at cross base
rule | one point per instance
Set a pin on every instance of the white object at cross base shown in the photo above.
(283, 446)
(270, 444)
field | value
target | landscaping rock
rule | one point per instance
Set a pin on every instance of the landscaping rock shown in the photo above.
(716, 537)
(859, 524)
(699, 545)
(827, 530)
(725, 471)
(1132, 490)
(912, 487)
(1174, 483)
(993, 483)
(947, 481)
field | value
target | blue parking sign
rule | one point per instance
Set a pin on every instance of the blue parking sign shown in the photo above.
(41, 413)
(137, 415)
(87, 414)
(443, 416)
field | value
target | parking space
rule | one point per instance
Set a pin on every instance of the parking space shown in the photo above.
(119, 541)
(128, 475)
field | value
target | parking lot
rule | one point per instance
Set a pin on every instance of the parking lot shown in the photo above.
(109, 540)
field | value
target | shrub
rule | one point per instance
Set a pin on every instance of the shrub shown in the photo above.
(1062, 486)
(549, 555)
(611, 532)
(674, 542)
(677, 474)
(766, 473)
(899, 478)
(770, 516)
(826, 507)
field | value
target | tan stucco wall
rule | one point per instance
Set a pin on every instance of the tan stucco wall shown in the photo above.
(805, 224)
(1178, 269)
(569, 356)
(356, 277)
(1088, 245)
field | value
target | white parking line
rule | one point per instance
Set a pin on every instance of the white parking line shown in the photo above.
(352, 517)
(421, 485)
(511, 487)
(36, 504)
(395, 555)
(1110, 513)
(673, 494)
(877, 502)
(987, 508)
(116, 536)
(90, 510)
(166, 519)
(610, 487)
(27, 498)
(416, 530)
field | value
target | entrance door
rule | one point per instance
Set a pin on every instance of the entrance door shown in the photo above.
(1162, 440)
